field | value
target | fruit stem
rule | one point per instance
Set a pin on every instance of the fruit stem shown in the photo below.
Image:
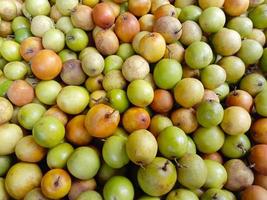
(109, 114)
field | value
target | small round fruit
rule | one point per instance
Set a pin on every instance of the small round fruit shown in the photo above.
(236, 7)
(22, 178)
(159, 123)
(140, 93)
(48, 131)
(258, 16)
(253, 83)
(89, 194)
(141, 147)
(188, 92)
(236, 120)
(118, 100)
(73, 99)
(172, 142)
(6, 110)
(118, 187)
(180, 194)
(101, 121)
(243, 25)
(66, 7)
(103, 15)
(56, 184)
(258, 158)
(203, 137)
(15, 70)
(198, 55)
(80, 159)
(76, 39)
(254, 192)
(258, 130)
(10, 50)
(162, 102)
(240, 98)
(53, 39)
(167, 73)
(158, 177)
(212, 76)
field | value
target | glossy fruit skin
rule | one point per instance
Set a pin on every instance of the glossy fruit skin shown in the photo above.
(30, 47)
(240, 98)
(141, 147)
(236, 7)
(243, 25)
(22, 178)
(57, 156)
(10, 51)
(158, 177)
(233, 125)
(114, 152)
(46, 65)
(162, 102)
(118, 187)
(191, 12)
(103, 19)
(80, 159)
(167, 73)
(185, 88)
(194, 165)
(48, 131)
(217, 175)
(253, 83)
(198, 55)
(258, 16)
(76, 132)
(118, 100)
(73, 99)
(27, 150)
(172, 142)
(101, 121)
(29, 114)
(15, 70)
(37, 8)
(258, 156)
(213, 76)
(258, 130)
(209, 113)
(56, 183)
(140, 93)
(135, 118)
(159, 123)
(10, 135)
(76, 39)
(202, 138)
(22, 34)
(236, 146)
(254, 192)
(54, 40)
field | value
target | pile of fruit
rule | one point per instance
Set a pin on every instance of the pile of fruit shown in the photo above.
(133, 99)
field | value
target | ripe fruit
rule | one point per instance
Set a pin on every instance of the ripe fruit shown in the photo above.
(257, 157)
(240, 98)
(139, 7)
(101, 121)
(81, 17)
(141, 147)
(162, 102)
(158, 177)
(103, 15)
(260, 103)
(258, 130)
(159, 123)
(80, 159)
(10, 134)
(254, 192)
(30, 47)
(239, 175)
(78, 187)
(236, 7)
(213, 76)
(172, 142)
(236, 120)
(118, 187)
(46, 65)
(192, 171)
(22, 178)
(135, 118)
(126, 27)
(56, 183)
(188, 92)
(188, 37)
(48, 131)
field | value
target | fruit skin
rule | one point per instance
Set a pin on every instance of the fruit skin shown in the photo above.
(101, 121)
(3, 193)
(167, 73)
(56, 183)
(188, 92)
(192, 171)
(239, 175)
(118, 100)
(73, 99)
(158, 177)
(260, 103)
(217, 175)
(90, 194)
(198, 55)
(10, 134)
(140, 93)
(7, 110)
(236, 120)
(172, 142)
(203, 137)
(254, 192)
(258, 130)
(214, 193)
(258, 157)
(22, 178)
(236, 7)
(80, 159)
(114, 152)
(180, 194)
(236, 146)
(141, 147)
(78, 187)
(35, 193)
(57, 156)
(103, 15)
(258, 16)
(5, 163)
(76, 39)
(118, 187)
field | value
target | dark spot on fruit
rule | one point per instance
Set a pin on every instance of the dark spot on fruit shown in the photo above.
(164, 168)
(57, 182)
(172, 13)
(260, 84)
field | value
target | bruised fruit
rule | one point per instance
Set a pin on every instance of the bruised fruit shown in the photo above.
(78, 187)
